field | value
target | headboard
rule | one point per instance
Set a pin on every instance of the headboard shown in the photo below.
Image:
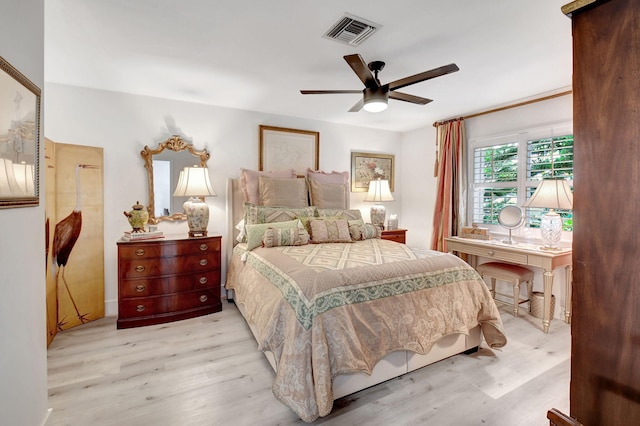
(235, 212)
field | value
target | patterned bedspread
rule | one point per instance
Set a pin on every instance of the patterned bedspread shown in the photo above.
(330, 309)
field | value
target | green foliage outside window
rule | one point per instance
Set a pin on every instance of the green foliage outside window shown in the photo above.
(496, 176)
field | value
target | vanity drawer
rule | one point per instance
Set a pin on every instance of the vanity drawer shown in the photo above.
(167, 285)
(150, 250)
(148, 306)
(494, 253)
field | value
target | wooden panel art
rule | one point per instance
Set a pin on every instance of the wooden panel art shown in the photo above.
(74, 235)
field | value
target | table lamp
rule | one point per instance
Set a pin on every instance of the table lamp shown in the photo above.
(378, 192)
(551, 194)
(194, 182)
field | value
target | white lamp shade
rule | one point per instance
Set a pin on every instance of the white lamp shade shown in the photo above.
(24, 177)
(194, 182)
(8, 183)
(552, 194)
(378, 191)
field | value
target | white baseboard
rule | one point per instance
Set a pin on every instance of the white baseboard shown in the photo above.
(111, 308)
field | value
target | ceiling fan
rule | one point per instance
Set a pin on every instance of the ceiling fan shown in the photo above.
(376, 95)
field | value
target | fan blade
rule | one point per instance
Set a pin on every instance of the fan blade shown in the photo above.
(436, 72)
(358, 106)
(409, 98)
(325, 92)
(359, 66)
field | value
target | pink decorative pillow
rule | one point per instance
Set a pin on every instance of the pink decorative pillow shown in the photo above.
(250, 184)
(329, 231)
(328, 190)
(283, 192)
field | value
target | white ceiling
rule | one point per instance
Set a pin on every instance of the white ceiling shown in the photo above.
(256, 55)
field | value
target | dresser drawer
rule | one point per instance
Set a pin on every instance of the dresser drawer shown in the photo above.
(167, 266)
(142, 287)
(173, 248)
(146, 306)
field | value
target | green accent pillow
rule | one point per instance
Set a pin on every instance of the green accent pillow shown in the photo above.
(268, 214)
(255, 232)
(351, 214)
(364, 231)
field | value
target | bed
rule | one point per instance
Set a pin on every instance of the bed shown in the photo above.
(337, 317)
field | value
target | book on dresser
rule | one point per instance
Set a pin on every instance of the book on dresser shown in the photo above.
(130, 235)
(168, 279)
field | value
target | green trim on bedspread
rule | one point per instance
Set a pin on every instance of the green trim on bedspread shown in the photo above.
(306, 310)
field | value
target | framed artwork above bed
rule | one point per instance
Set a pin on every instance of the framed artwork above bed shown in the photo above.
(282, 148)
(366, 167)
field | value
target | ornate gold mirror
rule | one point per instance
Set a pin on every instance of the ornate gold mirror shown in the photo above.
(163, 166)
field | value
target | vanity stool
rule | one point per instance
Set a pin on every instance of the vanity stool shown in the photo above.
(511, 273)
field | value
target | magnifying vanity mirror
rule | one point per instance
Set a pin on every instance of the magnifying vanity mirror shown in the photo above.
(510, 217)
(163, 166)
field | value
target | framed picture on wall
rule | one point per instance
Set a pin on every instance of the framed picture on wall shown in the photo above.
(19, 138)
(282, 148)
(366, 167)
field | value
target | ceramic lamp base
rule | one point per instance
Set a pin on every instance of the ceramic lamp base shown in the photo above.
(197, 212)
(378, 213)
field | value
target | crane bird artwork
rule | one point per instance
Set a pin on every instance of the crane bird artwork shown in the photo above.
(65, 235)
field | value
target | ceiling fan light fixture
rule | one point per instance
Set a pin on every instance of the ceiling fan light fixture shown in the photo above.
(376, 99)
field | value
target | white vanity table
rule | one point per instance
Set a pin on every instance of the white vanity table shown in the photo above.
(526, 255)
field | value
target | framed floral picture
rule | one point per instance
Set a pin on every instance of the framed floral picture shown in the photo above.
(369, 166)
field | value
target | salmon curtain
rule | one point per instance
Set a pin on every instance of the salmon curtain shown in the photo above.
(450, 210)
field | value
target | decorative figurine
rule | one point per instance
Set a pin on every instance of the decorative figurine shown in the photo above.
(138, 217)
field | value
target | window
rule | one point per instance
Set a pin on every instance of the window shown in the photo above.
(507, 170)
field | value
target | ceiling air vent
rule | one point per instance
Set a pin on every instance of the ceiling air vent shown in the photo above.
(351, 30)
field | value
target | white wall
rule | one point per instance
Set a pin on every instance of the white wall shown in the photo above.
(419, 186)
(123, 124)
(23, 358)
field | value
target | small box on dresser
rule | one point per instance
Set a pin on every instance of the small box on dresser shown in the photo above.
(168, 279)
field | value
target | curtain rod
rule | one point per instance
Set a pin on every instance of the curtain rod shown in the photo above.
(519, 104)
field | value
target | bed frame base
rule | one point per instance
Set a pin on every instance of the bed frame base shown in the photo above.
(396, 363)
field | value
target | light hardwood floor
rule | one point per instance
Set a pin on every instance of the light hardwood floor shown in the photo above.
(208, 371)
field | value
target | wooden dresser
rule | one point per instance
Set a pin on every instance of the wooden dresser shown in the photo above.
(168, 279)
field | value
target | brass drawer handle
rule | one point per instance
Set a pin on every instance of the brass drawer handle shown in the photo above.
(203, 280)
(140, 252)
(491, 252)
(203, 247)
(139, 268)
(140, 308)
(203, 262)
(203, 298)
(140, 288)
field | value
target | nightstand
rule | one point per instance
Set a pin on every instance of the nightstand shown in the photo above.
(397, 235)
